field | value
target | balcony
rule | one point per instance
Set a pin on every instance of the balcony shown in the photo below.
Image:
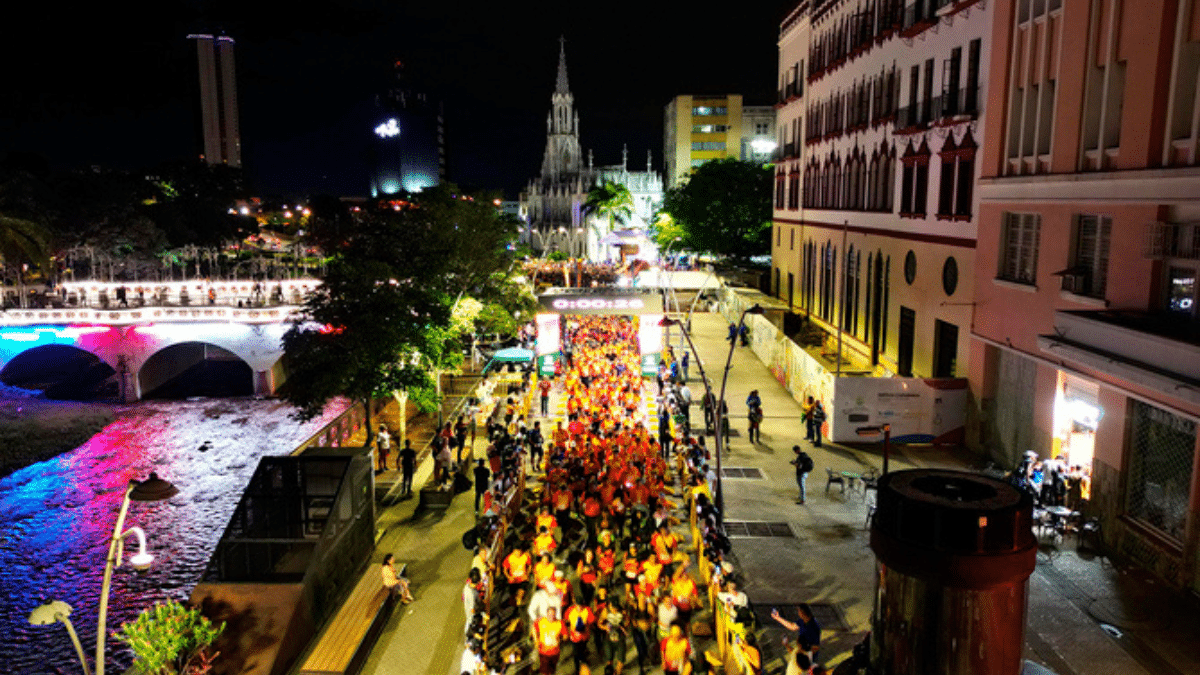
(1156, 350)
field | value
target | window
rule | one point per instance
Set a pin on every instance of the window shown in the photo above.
(951, 72)
(1088, 273)
(957, 178)
(1181, 288)
(1018, 248)
(698, 162)
(702, 110)
(1162, 449)
(778, 238)
(914, 80)
(971, 95)
(916, 179)
(708, 145)
(709, 128)
(792, 239)
(927, 103)
(760, 128)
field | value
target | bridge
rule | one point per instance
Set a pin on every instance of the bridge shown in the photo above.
(154, 343)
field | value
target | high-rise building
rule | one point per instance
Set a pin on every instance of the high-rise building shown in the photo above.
(1085, 344)
(221, 139)
(408, 150)
(699, 128)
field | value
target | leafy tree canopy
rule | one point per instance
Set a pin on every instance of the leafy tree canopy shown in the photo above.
(382, 319)
(611, 201)
(724, 208)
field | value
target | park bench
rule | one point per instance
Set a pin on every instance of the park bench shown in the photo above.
(343, 647)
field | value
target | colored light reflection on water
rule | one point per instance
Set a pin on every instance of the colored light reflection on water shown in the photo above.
(56, 517)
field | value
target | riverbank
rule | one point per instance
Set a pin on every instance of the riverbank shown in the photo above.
(33, 430)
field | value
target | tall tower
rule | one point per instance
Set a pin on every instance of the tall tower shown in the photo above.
(218, 100)
(562, 125)
(408, 150)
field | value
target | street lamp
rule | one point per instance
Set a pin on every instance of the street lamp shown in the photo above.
(153, 489)
(57, 611)
(720, 407)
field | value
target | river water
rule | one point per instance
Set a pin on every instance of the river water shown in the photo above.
(56, 517)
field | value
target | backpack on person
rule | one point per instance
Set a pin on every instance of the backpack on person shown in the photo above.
(804, 462)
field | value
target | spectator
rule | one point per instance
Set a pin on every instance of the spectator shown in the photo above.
(383, 443)
(804, 465)
(808, 631)
(408, 464)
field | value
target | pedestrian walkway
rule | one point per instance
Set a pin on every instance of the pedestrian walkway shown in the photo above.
(826, 561)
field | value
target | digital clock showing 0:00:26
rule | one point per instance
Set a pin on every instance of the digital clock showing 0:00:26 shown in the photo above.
(598, 303)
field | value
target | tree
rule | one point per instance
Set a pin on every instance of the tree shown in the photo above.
(724, 208)
(611, 201)
(380, 322)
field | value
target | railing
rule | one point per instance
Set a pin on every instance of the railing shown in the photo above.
(138, 294)
(338, 431)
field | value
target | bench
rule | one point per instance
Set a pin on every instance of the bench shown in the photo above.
(344, 645)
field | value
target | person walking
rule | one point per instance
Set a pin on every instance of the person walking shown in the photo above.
(683, 364)
(755, 415)
(383, 445)
(818, 418)
(482, 474)
(804, 465)
(544, 389)
(548, 634)
(408, 464)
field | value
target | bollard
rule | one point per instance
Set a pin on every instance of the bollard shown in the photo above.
(954, 552)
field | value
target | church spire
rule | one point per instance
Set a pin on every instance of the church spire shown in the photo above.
(561, 85)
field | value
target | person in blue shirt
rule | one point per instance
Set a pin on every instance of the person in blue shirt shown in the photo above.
(808, 631)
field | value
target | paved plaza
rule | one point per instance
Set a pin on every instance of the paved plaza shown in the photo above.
(823, 557)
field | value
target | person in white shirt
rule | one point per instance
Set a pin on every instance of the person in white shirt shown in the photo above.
(542, 599)
(733, 597)
(470, 596)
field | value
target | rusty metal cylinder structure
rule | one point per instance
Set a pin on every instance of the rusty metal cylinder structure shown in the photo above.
(953, 552)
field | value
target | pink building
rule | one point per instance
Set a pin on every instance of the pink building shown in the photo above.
(1085, 340)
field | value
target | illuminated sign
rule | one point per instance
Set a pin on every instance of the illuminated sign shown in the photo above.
(388, 129)
(602, 303)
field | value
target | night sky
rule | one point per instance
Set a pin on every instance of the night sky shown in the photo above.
(115, 84)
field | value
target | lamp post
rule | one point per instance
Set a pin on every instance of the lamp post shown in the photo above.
(153, 489)
(719, 408)
(57, 611)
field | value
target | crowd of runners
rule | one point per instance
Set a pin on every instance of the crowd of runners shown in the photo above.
(589, 552)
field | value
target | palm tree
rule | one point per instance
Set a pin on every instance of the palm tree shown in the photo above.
(22, 241)
(612, 202)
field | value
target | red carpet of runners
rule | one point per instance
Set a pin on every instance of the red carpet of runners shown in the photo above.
(594, 567)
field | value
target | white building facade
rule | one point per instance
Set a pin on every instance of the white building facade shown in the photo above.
(879, 121)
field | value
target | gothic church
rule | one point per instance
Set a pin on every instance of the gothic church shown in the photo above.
(552, 203)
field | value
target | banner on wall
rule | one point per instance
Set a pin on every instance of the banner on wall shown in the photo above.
(918, 410)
